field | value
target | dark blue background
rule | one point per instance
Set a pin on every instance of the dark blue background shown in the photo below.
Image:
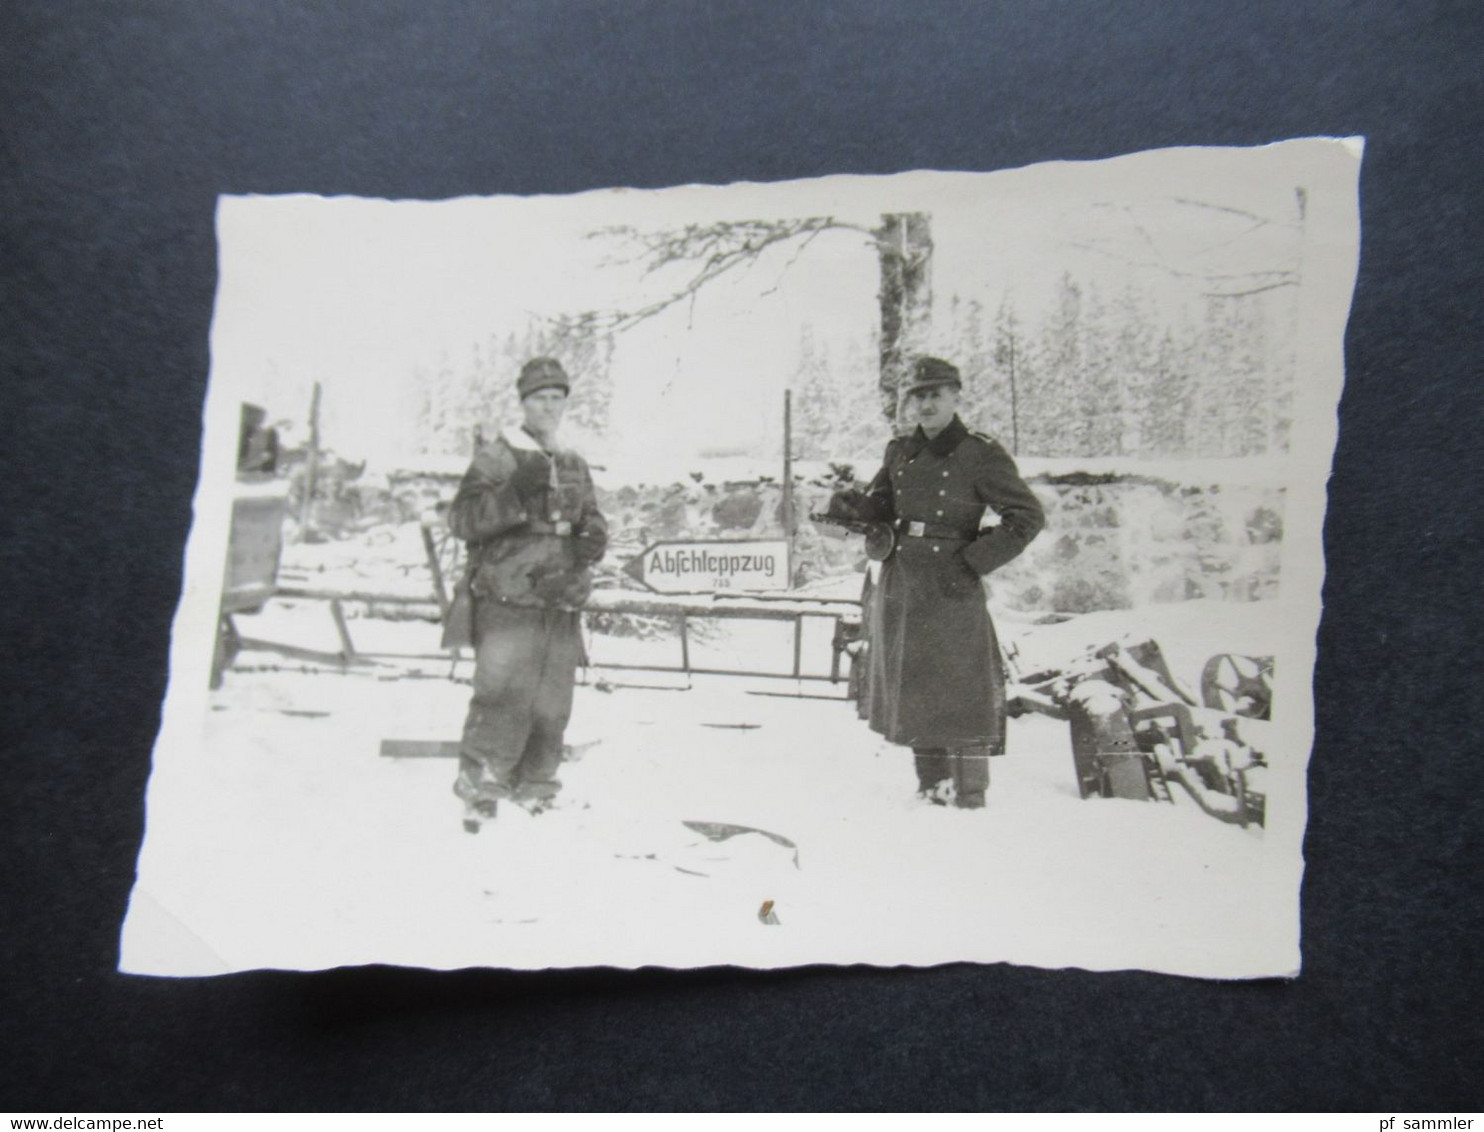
(120, 124)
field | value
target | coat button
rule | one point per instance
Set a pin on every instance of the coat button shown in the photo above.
(940, 511)
(943, 492)
(935, 548)
(945, 475)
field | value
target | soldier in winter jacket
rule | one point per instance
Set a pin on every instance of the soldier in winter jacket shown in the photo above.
(935, 677)
(527, 510)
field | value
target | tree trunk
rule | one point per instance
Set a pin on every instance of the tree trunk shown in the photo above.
(906, 244)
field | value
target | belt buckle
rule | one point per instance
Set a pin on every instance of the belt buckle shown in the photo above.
(563, 528)
(916, 529)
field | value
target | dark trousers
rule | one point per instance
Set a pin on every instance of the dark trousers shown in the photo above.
(968, 767)
(525, 661)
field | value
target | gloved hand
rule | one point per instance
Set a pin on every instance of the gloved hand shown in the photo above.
(589, 544)
(851, 505)
(550, 583)
(958, 578)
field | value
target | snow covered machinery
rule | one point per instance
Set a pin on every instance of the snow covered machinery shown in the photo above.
(255, 541)
(1136, 729)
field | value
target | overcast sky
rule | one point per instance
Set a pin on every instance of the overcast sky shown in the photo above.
(360, 294)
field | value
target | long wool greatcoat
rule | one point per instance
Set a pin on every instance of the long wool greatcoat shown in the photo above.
(935, 677)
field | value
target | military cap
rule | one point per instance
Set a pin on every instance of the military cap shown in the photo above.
(929, 372)
(542, 373)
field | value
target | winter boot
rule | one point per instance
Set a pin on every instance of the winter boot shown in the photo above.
(939, 794)
(934, 767)
(970, 777)
(478, 812)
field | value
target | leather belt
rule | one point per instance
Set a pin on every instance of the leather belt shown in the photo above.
(564, 528)
(914, 529)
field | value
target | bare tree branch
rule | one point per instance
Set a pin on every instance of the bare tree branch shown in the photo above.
(793, 259)
(1288, 275)
(716, 248)
(1141, 230)
(1260, 220)
(1154, 258)
(1251, 290)
(1219, 244)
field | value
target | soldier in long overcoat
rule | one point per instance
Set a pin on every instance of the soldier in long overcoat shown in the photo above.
(935, 677)
(527, 509)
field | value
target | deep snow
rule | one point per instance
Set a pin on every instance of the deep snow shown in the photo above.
(292, 842)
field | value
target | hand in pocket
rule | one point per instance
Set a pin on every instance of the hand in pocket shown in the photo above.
(959, 579)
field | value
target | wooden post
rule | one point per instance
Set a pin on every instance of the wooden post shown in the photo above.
(789, 523)
(1014, 406)
(311, 465)
(788, 465)
(347, 646)
(440, 590)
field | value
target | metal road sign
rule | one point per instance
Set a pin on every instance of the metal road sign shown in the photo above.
(704, 566)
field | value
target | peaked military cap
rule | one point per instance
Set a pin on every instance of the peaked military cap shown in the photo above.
(929, 372)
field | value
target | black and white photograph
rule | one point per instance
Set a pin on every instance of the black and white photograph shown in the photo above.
(892, 570)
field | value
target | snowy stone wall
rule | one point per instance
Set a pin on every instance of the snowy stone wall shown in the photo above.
(1114, 539)
(750, 508)
(1123, 541)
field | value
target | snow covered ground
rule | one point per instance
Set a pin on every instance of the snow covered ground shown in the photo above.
(291, 841)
